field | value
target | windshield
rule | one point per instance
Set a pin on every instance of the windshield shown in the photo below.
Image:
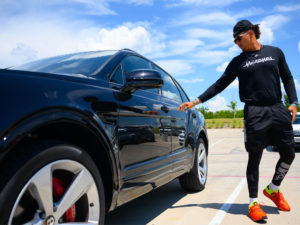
(85, 63)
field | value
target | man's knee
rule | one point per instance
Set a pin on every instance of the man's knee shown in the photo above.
(287, 154)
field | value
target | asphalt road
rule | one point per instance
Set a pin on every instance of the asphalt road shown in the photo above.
(225, 198)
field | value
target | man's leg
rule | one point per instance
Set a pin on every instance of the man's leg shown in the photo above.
(255, 212)
(256, 139)
(253, 172)
(286, 149)
(285, 144)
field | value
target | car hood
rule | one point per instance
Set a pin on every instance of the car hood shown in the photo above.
(46, 75)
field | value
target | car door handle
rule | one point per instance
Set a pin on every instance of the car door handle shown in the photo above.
(165, 109)
(194, 115)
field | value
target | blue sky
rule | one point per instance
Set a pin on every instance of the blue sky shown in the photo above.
(191, 39)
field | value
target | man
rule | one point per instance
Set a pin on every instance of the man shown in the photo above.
(259, 69)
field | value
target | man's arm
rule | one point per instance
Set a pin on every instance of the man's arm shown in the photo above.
(227, 77)
(289, 85)
(218, 86)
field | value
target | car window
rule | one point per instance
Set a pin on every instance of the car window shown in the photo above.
(117, 76)
(169, 89)
(133, 62)
(183, 94)
(85, 63)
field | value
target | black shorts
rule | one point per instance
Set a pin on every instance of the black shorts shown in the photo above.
(268, 125)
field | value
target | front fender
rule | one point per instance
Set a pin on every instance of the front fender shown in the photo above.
(28, 124)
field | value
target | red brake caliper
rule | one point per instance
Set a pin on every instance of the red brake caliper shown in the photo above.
(58, 191)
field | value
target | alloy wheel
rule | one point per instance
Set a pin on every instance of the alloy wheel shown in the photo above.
(202, 163)
(74, 198)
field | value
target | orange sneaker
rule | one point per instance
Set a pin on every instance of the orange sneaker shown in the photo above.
(256, 213)
(277, 198)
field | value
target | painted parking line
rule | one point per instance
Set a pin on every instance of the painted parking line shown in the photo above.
(213, 144)
(227, 205)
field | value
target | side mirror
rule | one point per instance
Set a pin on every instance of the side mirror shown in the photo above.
(142, 78)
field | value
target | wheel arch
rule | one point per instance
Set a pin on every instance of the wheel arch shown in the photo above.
(203, 135)
(72, 127)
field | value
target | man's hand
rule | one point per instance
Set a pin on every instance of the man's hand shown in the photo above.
(185, 106)
(293, 110)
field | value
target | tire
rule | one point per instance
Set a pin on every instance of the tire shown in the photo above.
(51, 182)
(195, 180)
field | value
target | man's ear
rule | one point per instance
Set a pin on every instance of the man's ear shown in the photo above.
(252, 34)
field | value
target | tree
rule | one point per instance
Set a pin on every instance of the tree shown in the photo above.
(233, 107)
(287, 103)
(286, 100)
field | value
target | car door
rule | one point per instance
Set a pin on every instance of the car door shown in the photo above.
(172, 98)
(143, 150)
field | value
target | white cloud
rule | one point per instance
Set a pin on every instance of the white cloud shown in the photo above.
(249, 12)
(234, 84)
(175, 67)
(287, 8)
(184, 46)
(26, 38)
(93, 7)
(297, 84)
(23, 36)
(141, 2)
(136, 38)
(268, 25)
(218, 104)
(23, 53)
(222, 67)
(200, 2)
(209, 34)
(187, 81)
(267, 35)
(210, 57)
(215, 18)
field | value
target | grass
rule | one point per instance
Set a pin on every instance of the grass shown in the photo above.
(224, 123)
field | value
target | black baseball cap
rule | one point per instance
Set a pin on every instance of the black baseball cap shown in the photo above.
(242, 26)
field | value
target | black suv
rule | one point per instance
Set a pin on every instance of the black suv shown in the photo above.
(84, 133)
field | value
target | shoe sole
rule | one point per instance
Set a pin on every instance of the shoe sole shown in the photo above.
(262, 219)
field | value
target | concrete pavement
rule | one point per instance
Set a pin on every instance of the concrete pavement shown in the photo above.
(225, 198)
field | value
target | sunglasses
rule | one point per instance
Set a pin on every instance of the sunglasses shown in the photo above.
(239, 37)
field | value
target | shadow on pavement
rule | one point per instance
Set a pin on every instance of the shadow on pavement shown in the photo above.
(145, 208)
(235, 208)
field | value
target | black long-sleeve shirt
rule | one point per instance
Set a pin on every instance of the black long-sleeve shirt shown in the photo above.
(259, 74)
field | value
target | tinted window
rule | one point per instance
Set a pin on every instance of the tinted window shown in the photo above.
(131, 63)
(85, 63)
(117, 76)
(169, 89)
(183, 95)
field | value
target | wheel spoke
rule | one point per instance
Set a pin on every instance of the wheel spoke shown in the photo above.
(79, 187)
(41, 189)
(202, 171)
(202, 155)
